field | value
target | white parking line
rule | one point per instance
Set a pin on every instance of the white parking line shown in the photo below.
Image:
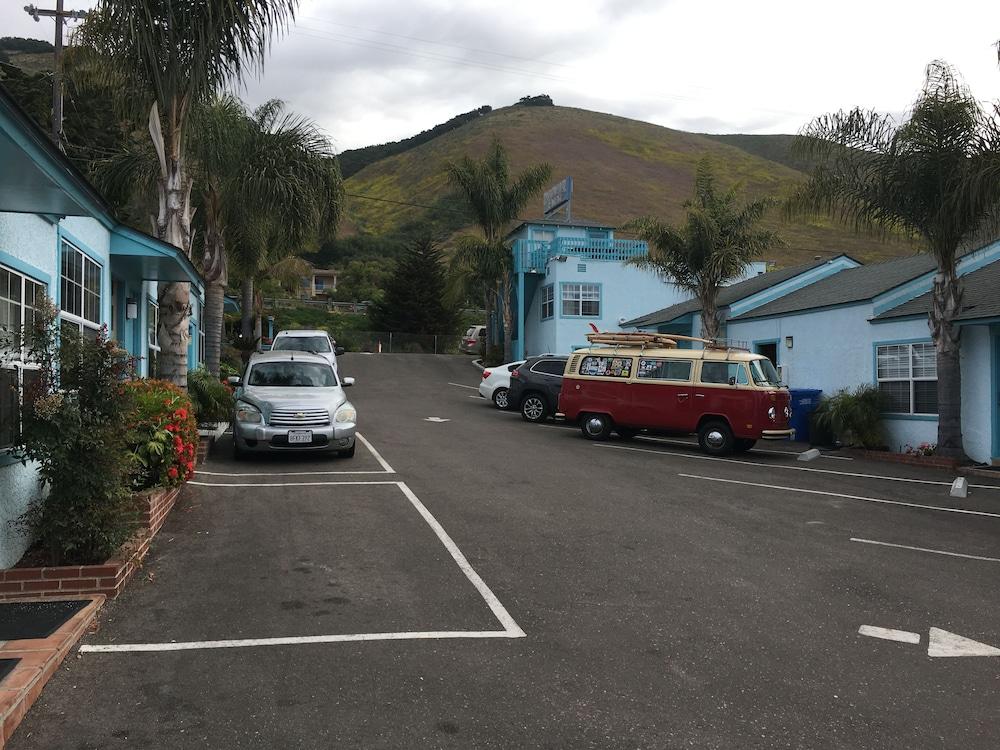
(667, 441)
(378, 456)
(289, 484)
(701, 457)
(847, 497)
(924, 549)
(470, 387)
(510, 628)
(292, 641)
(888, 634)
(285, 473)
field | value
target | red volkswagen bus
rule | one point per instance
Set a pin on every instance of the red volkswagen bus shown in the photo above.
(628, 382)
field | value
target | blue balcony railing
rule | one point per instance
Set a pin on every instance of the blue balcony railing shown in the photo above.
(531, 256)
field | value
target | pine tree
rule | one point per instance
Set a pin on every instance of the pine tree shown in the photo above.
(415, 298)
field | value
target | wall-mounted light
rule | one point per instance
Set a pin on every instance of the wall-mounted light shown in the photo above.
(131, 309)
(789, 342)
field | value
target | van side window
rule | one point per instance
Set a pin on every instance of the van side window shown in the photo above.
(664, 369)
(722, 372)
(607, 367)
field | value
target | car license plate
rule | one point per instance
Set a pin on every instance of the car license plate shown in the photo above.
(300, 436)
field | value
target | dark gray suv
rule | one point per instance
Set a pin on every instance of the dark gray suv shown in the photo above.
(535, 386)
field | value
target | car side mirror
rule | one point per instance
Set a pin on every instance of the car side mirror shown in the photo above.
(234, 380)
(339, 350)
(347, 382)
(732, 380)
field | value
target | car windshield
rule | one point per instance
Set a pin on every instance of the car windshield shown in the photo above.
(763, 372)
(302, 344)
(293, 375)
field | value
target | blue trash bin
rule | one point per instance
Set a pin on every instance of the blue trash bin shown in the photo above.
(804, 403)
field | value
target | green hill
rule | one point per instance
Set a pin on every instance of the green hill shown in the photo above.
(621, 169)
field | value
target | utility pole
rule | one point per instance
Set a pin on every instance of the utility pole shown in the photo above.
(60, 17)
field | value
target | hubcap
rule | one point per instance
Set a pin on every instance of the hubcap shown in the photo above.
(501, 399)
(533, 408)
(595, 426)
(715, 438)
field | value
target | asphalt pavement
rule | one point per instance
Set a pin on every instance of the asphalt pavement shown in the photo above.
(474, 581)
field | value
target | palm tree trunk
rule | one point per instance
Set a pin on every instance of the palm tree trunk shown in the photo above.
(173, 225)
(946, 304)
(215, 271)
(709, 315)
(215, 300)
(508, 319)
(488, 307)
(246, 308)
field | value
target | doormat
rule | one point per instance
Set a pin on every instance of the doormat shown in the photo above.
(7, 666)
(23, 620)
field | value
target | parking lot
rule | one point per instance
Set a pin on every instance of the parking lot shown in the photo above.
(470, 580)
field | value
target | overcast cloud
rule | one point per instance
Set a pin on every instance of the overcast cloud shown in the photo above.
(371, 70)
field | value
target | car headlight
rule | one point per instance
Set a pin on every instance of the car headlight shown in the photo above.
(346, 413)
(772, 413)
(248, 413)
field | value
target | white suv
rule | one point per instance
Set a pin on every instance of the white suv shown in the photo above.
(315, 342)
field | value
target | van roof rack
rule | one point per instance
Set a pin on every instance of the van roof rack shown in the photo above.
(664, 340)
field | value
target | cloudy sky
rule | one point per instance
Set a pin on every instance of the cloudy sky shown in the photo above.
(375, 70)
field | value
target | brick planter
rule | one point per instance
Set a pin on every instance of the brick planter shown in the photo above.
(932, 462)
(108, 578)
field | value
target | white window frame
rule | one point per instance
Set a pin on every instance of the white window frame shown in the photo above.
(881, 355)
(70, 316)
(152, 331)
(21, 363)
(577, 293)
(548, 301)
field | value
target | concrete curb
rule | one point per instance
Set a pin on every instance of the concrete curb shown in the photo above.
(478, 364)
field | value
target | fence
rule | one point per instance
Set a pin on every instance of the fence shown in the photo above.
(390, 342)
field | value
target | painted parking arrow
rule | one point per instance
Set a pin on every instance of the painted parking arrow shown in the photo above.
(436, 419)
(942, 643)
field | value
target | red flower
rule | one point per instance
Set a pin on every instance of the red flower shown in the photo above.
(181, 413)
(190, 465)
(172, 472)
(171, 427)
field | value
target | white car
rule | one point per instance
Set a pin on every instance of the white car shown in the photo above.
(496, 383)
(314, 342)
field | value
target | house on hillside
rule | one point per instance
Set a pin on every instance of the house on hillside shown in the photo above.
(59, 238)
(573, 273)
(868, 324)
(319, 283)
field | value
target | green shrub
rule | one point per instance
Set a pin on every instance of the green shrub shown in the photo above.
(211, 398)
(163, 434)
(853, 417)
(75, 423)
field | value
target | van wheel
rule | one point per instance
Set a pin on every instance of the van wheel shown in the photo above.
(533, 408)
(596, 426)
(744, 444)
(716, 438)
(626, 433)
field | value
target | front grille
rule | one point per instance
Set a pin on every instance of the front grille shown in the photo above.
(300, 417)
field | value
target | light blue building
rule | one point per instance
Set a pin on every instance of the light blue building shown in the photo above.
(838, 324)
(59, 239)
(573, 273)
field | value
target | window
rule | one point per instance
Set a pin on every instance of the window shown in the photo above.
(153, 337)
(20, 298)
(319, 283)
(292, 375)
(302, 344)
(597, 234)
(80, 289)
(664, 369)
(581, 300)
(725, 373)
(581, 268)
(907, 378)
(550, 366)
(548, 301)
(606, 367)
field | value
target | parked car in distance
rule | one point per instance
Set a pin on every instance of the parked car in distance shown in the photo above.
(729, 398)
(292, 400)
(316, 342)
(473, 340)
(495, 384)
(534, 387)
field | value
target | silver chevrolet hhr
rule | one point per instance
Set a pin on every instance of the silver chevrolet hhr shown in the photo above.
(292, 401)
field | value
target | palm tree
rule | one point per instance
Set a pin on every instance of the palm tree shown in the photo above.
(935, 175)
(269, 184)
(166, 57)
(495, 201)
(713, 247)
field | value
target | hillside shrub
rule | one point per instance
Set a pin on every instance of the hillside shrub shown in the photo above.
(163, 434)
(211, 399)
(74, 425)
(854, 417)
